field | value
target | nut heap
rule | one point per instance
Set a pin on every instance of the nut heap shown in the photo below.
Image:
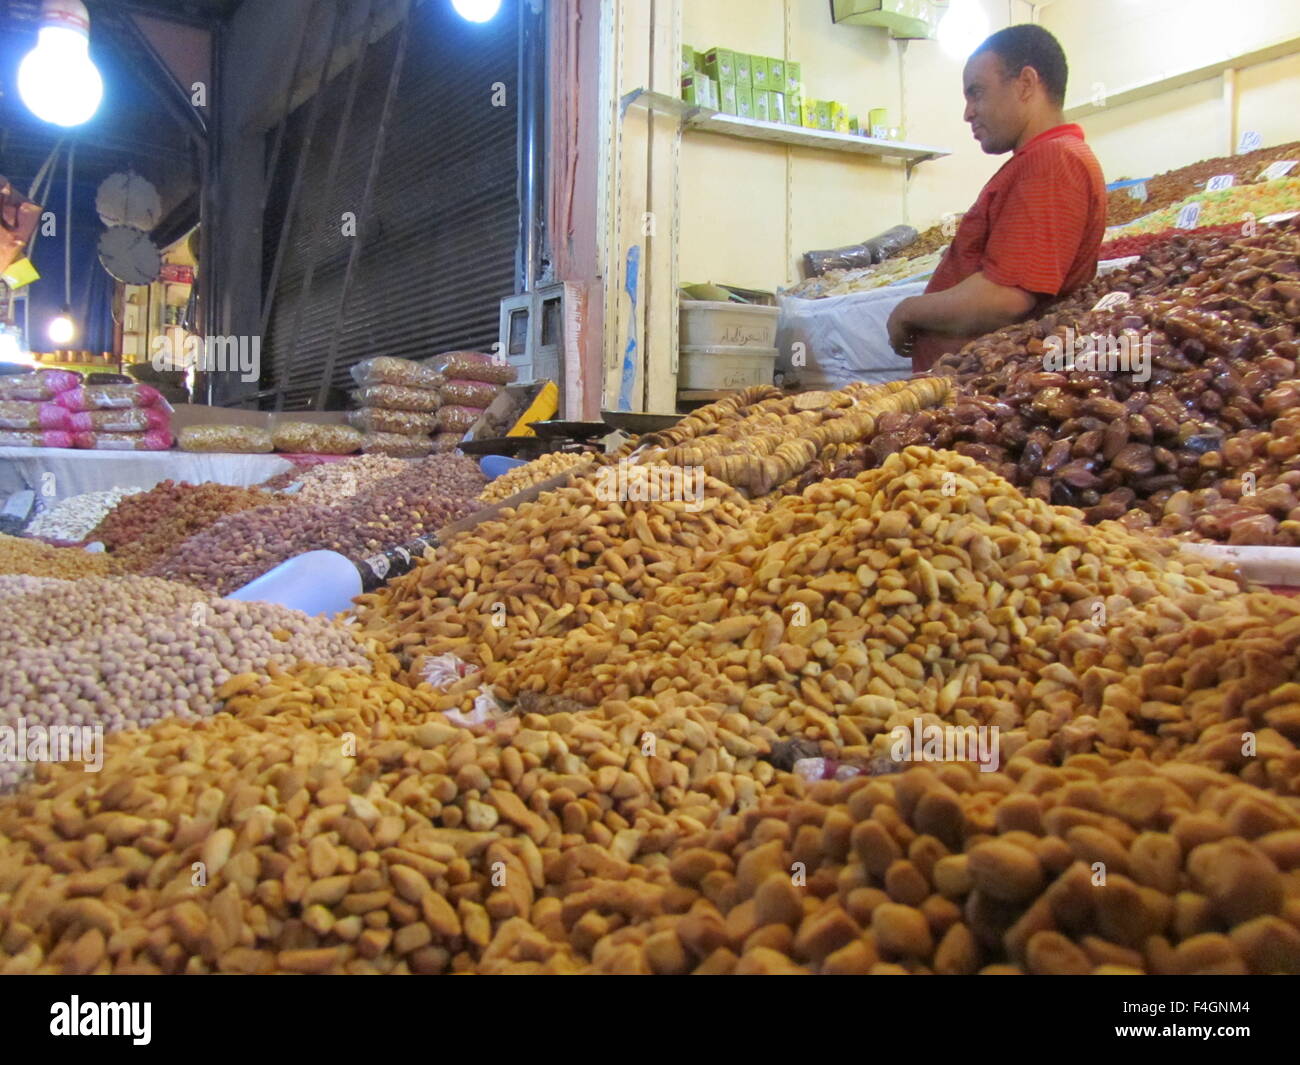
(332, 481)
(74, 518)
(549, 465)
(143, 528)
(42, 560)
(126, 651)
(236, 549)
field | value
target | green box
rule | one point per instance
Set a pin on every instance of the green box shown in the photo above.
(839, 116)
(720, 64)
(689, 60)
(794, 109)
(762, 105)
(744, 101)
(727, 97)
(758, 73)
(700, 90)
(823, 114)
(776, 75)
(793, 78)
(744, 69)
(808, 114)
(776, 107)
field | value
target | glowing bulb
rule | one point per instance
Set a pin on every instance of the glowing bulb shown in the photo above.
(61, 330)
(57, 79)
(477, 10)
(963, 28)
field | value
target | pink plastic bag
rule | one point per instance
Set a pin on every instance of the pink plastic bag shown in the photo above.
(154, 440)
(127, 420)
(108, 397)
(31, 414)
(43, 384)
(34, 438)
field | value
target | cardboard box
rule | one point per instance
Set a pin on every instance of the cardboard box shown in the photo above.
(689, 60)
(793, 78)
(699, 90)
(727, 97)
(744, 69)
(823, 114)
(744, 101)
(720, 64)
(808, 114)
(776, 75)
(762, 106)
(758, 73)
(839, 116)
(776, 107)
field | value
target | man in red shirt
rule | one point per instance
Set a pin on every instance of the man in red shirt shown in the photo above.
(1034, 232)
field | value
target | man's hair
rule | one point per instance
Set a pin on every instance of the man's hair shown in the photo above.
(1031, 46)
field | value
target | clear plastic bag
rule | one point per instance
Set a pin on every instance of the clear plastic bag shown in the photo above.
(444, 442)
(458, 419)
(107, 397)
(129, 420)
(396, 445)
(31, 414)
(474, 366)
(154, 440)
(470, 393)
(230, 439)
(397, 397)
(385, 420)
(855, 256)
(34, 438)
(43, 384)
(311, 438)
(386, 370)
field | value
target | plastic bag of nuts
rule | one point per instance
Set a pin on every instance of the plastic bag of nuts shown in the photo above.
(44, 384)
(310, 438)
(474, 366)
(232, 439)
(386, 370)
(107, 397)
(397, 397)
(453, 419)
(444, 442)
(35, 438)
(396, 445)
(384, 420)
(31, 414)
(470, 393)
(153, 440)
(129, 420)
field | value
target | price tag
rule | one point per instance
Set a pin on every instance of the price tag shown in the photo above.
(1138, 191)
(1276, 170)
(1112, 299)
(1188, 216)
(1250, 141)
(1220, 182)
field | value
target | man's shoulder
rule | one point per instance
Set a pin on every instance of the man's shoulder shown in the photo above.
(1060, 156)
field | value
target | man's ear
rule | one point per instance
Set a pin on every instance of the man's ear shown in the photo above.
(1027, 83)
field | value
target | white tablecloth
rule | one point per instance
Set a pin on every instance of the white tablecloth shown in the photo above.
(74, 472)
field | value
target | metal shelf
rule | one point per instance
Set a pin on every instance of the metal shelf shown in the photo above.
(707, 120)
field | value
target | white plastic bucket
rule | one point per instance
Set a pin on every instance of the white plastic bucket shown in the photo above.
(709, 323)
(717, 368)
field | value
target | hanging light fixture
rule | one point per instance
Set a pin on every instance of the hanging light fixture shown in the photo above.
(477, 10)
(62, 330)
(57, 79)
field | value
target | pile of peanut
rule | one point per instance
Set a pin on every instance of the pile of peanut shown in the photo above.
(541, 469)
(330, 482)
(120, 652)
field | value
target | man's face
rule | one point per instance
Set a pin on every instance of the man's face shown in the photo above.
(997, 106)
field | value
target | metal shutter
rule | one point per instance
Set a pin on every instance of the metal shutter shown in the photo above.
(440, 247)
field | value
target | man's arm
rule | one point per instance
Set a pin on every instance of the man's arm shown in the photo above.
(970, 308)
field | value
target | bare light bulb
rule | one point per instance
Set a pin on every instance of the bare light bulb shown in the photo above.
(477, 10)
(963, 28)
(61, 330)
(57, 79)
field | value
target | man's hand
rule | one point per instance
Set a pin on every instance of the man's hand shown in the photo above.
(902, 334)
(971, 308)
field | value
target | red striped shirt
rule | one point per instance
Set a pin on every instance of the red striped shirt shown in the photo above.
(1036, 225)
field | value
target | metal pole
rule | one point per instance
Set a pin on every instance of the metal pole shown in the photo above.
(331, 177)
(300, 169)
(376, 157)
(299, 51)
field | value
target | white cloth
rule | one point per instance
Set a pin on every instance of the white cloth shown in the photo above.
(844, 338)
(75, 472)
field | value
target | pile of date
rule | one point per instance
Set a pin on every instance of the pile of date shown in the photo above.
(1184, 419)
